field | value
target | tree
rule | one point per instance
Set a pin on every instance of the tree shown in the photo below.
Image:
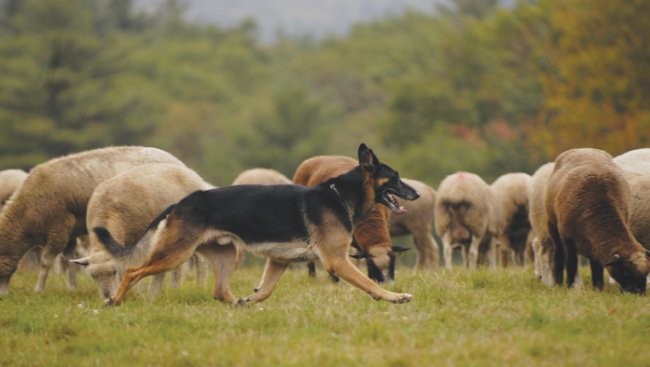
(597, 90)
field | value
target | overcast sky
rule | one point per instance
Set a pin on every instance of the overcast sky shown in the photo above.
(297, 17)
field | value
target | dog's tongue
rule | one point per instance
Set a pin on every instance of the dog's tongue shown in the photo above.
(399, 210)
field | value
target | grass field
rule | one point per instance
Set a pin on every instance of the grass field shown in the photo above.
(458, 318)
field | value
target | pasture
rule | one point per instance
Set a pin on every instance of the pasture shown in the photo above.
(457, 318)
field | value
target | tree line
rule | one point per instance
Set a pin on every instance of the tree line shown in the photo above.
(474, 86)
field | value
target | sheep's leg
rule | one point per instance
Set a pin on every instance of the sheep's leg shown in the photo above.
(597, 277)
(529, 251)
(428, 256)
(504, 251)
(156, 283)
(448, 250)
(58, 238)
(311, 269)
(223, 259)
(571, 259)
(201, 273)
(68, 253)
(177, 275)
(273, 270)
(473, 252)
(492, 255)
(558, 256)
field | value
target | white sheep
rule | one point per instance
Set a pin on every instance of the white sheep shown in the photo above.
(49, 208)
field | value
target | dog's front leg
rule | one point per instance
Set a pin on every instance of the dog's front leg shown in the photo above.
(342, 266)
(273, 270)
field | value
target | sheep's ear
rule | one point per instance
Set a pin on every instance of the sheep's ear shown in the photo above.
(614, 259)
(84, 261)
(399, 249)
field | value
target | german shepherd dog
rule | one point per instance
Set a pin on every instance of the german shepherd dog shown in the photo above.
(284, 223)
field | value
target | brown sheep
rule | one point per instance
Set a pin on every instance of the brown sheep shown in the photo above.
(465, 217)
(371, 235)
(261, 176)
(418, 221)
(49, 209)
(587, 203)
(10, 181)
(511, 196)
(126, 204)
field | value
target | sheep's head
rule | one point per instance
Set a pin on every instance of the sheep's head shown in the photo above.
(104, 271)
(630, 271)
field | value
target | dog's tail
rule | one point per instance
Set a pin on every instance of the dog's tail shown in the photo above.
(120, 250)
(110, 244)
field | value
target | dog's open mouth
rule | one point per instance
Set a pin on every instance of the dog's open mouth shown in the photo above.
(392, 203)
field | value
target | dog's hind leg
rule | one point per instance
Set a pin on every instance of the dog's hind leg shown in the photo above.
(223, 259)
(273, 270)
(170, 250)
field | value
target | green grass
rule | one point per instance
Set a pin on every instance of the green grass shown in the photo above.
(458, 318)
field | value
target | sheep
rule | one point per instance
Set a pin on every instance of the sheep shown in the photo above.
(10, 180)
(418, 221)
(541, 243)
(587, 204)
(465, 217)
(49, 208)
(125, 205)
(511, 196)
(636, 168)
(261, 176)
(371, 235)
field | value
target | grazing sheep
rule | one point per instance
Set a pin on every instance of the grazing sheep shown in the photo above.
(10, 181)
(465, 217)
(587, 204)
(49, 209)
(511, 196)
(261, 176)
(636, 168)
(371, 235)
(418, 221)
(542, 243)
(126, 204)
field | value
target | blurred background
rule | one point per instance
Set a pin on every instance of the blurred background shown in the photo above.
(433, 87)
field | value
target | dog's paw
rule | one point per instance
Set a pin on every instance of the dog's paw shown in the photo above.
(402, 298)
(242, 301)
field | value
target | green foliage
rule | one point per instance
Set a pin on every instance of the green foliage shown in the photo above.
(474, 87)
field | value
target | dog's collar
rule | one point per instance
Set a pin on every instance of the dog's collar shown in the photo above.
(345, 205)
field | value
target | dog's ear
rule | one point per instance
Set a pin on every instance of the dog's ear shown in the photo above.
(367, 158)
(84, 261)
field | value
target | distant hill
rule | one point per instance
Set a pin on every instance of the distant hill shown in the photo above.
(297, 17)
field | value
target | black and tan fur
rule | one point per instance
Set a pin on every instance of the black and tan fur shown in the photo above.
(284, 223)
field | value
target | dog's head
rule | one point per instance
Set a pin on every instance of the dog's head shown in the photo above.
(385, 181)
(630, 271)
